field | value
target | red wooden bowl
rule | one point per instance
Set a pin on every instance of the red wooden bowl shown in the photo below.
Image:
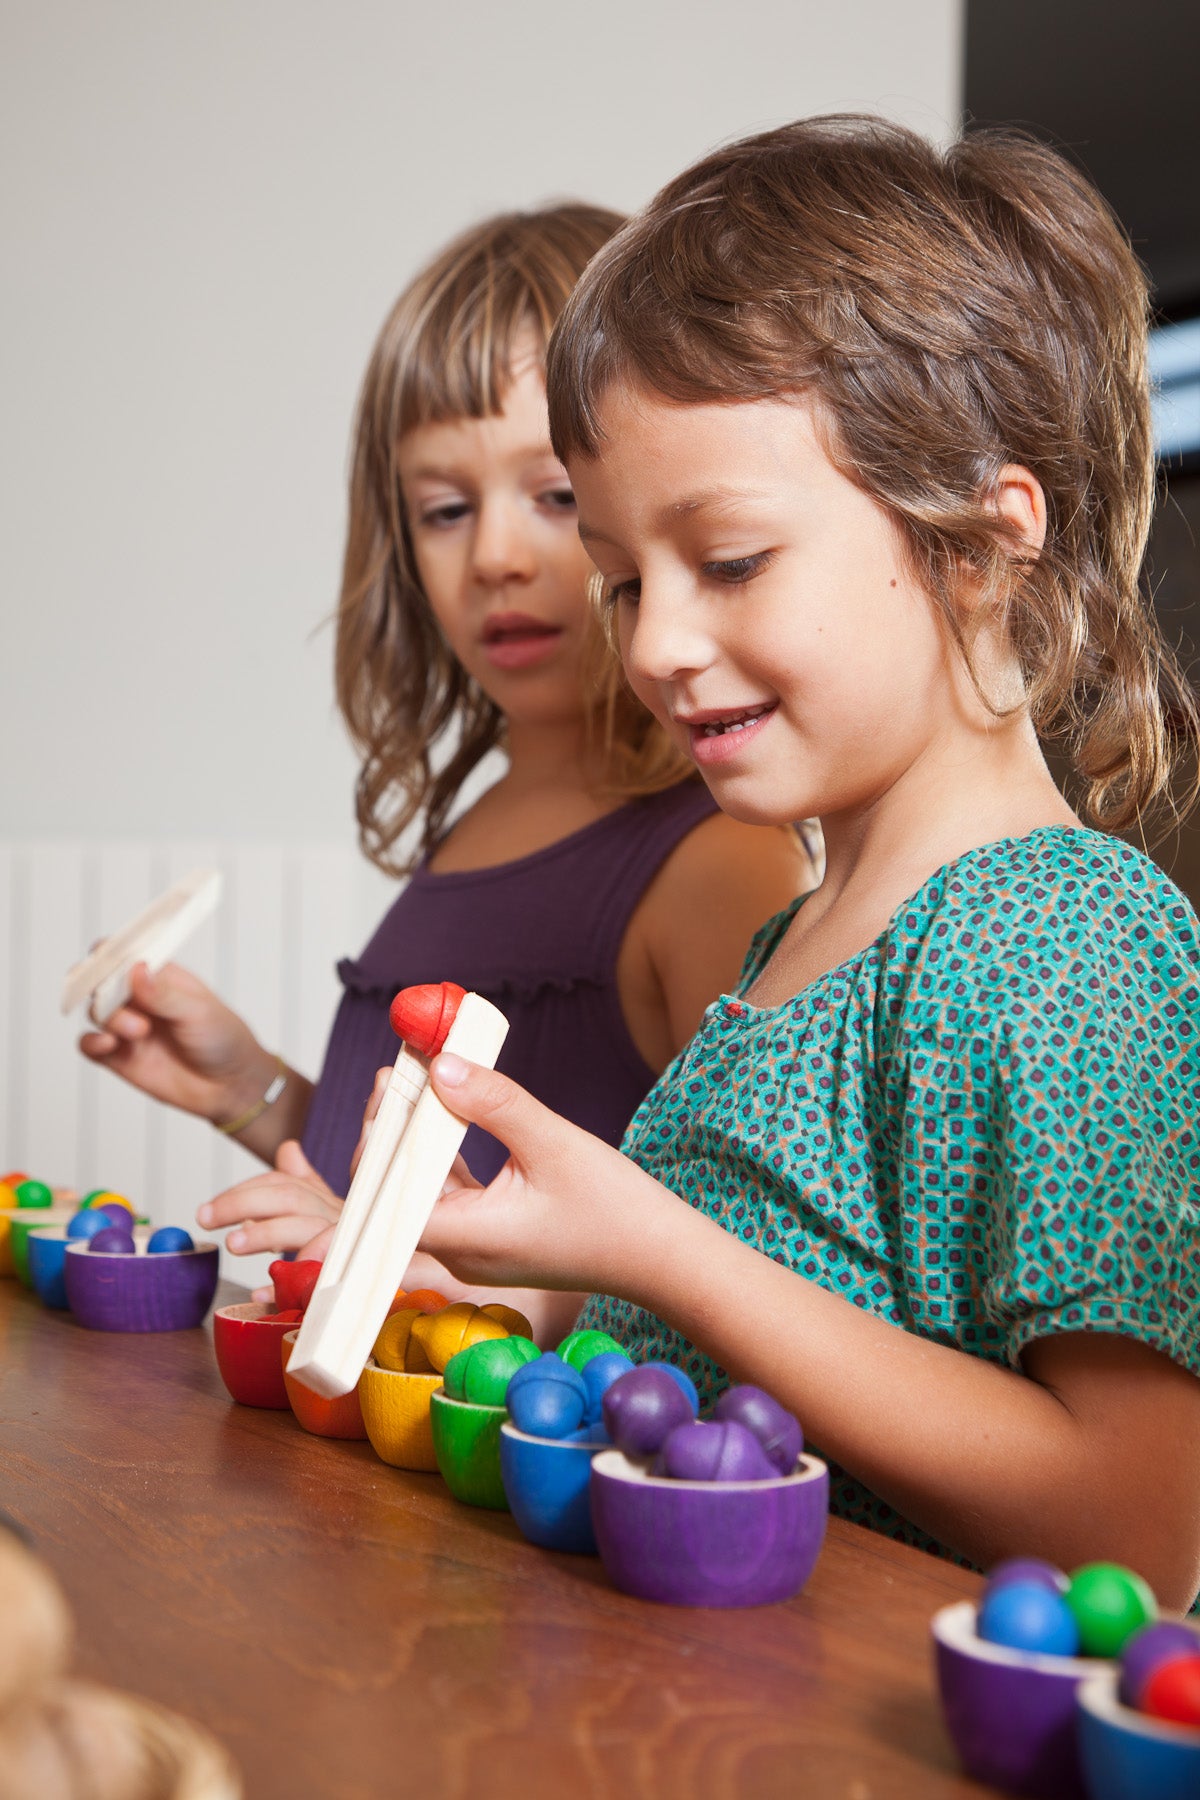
(340, 1418)
(248, 1341)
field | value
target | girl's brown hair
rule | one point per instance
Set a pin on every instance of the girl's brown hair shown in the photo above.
(949, 313)
(445, 352)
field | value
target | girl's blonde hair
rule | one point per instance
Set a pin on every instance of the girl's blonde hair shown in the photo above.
(949, 313)
(445, 352)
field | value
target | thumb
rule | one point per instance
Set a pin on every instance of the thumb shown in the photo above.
(485, 1097)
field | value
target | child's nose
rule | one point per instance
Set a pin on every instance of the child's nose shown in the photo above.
(662, 641)
(503, 548)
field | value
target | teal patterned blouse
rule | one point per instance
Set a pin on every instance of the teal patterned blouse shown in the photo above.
(983, 1128)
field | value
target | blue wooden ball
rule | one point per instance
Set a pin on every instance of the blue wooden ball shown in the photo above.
(547, 1397)
(168, 1239)
(598, 1376)
(87, 1224)
(1028, 1615)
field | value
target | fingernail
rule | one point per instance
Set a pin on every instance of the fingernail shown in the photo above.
(452, 1071)
(236, 1240)
(204, 1214)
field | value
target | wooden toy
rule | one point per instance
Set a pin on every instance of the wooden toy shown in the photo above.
(640, 1408)
(106, 1200)
(715, 1450)
(1109, 1604)
(15, 1227)
(427, 1300)
(598, 1376)
(711, 1543)
(547, 1483)
(47, 1249)
(137, 1292)
(481, 1373)
(102, 978)
(547, 1398)
(514, 1322)
(405, 1162)
(247, 1339)
(395, 1410)
(777, 1430)
(443, 1334)
(1147, 1649)
(87, 1224)
(1172, 1691)
(466, 1442)
(1028, 1615)
(167, 1239)
(114, 1240)
(1010, 1713)
(579, 1347)
(340, 1418)
(1128, 1755)
(293, 1282)
(395, 1347)
(34, 1194)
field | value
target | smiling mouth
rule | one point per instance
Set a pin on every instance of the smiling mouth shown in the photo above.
(733, 721)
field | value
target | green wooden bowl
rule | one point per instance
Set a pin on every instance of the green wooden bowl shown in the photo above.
(466, 1442)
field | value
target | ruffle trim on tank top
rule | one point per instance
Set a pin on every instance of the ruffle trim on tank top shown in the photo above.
(525, 988)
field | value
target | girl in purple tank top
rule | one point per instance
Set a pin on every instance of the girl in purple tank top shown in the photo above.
(568, 892)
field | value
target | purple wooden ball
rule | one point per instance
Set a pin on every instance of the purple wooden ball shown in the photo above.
(641, 1407)
(683, 1382)
(775, 1428)
(1146, 1649)
(716, 1451)
(112, 1241)
(1026, 1568)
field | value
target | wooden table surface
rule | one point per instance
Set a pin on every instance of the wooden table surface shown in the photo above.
(350, 1631)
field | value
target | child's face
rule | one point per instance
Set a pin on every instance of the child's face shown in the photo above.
(492, 522)
(766, 613)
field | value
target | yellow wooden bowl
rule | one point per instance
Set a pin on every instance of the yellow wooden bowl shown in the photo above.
(395, 1410)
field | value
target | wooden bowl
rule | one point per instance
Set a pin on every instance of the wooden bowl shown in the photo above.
(46, 1249)
(1011, 1713)
(395, 1411)
(248, 1341)
(1128, 1756)
(466, 1442)
(139, 1292)
(340, 1418)
(548, 1483)
(708, 1543)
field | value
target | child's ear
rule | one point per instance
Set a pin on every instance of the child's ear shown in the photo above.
(1019, 500)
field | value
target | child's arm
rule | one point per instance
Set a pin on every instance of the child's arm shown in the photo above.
(178, 1043)
(1092, 1453)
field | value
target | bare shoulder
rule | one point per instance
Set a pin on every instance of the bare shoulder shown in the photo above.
(745, 867)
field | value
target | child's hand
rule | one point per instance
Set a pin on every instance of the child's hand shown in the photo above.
(178, 1043)
(566, 1211)
(280, 1211)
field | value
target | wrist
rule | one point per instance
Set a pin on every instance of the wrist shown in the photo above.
(254, 1099)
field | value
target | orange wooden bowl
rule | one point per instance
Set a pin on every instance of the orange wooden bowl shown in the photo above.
(340, 1418)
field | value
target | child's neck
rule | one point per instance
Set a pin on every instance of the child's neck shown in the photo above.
(549, 790)
(878, 856)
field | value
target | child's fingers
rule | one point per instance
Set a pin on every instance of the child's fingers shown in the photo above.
(253, 1237)
(484, 1097)
(267, 1197)
(317, 1248)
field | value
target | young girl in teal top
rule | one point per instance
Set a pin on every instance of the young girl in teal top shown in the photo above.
(859, 436)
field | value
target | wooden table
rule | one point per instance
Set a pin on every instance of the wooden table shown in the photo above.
(351, 1632)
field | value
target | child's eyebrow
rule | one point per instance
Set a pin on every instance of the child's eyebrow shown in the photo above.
(716, 499)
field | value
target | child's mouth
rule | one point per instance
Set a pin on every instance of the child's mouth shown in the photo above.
(517, 640)
(718, 739)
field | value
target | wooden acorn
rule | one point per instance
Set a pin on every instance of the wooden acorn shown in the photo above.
(442, 1334)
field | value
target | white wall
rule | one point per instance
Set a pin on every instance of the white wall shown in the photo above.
(207, 209)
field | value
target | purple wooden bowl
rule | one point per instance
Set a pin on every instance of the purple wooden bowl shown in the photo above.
(708, 1543)
(1011, 1713)
(167, 1292)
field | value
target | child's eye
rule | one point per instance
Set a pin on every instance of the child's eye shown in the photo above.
(617, 593)
(448, 513)
(739, 568)
(559, 499)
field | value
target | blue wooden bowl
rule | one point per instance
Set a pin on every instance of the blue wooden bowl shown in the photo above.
(1011, 1713)
(548, 1483)
(1128, 1756)
(47, 1255)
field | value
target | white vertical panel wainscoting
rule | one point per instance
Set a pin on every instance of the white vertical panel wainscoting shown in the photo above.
(288, 912)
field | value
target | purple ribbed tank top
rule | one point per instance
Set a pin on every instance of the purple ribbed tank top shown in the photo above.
(539, 938)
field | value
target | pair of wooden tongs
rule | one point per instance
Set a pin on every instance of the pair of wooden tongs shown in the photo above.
(102, 978)
(408, 1155)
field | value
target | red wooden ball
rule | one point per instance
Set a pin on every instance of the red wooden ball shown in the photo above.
(1172, 1691)
(421, 1016)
